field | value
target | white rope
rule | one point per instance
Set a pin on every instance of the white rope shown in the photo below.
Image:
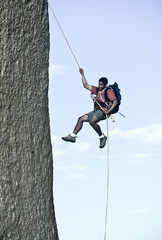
(107, 182)
(63, 34)
(107, 185)
(111, 116)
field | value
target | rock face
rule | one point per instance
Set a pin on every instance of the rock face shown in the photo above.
(26, 169)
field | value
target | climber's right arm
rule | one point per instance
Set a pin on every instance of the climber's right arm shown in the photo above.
(84, 81)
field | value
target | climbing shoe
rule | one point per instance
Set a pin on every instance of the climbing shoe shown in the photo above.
(103, 142)
(69, 138)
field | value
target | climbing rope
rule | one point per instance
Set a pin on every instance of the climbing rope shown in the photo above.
(111, 116)
(63, 34)
(107, 187)
(107, 182)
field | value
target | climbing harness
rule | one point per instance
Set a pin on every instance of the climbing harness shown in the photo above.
(95, 100)
(111, 117)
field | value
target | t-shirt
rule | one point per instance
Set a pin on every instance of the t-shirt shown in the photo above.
(100, 95)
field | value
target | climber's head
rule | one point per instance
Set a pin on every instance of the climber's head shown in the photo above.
(102, 83)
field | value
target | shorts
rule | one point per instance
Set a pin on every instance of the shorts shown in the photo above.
(99, 114)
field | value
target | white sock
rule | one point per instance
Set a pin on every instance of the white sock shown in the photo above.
(101, 136)
(73, 134)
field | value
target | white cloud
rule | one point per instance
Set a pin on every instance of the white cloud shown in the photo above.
(71, 148)
(58, 152)
(77, 176)
(80, 147)
(73, 171)
(75, 167)
(56, 69)
(130, 157)
(56, 139)
(133, 157)
(141, 211)
(150, 133)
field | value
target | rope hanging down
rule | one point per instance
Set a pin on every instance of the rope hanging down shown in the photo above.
(111, 116)
(63, 35)
(107, 193)
(107, 182)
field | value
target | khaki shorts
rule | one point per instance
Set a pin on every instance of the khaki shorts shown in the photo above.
(98, 114)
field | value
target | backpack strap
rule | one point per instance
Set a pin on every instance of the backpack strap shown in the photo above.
(105, 93)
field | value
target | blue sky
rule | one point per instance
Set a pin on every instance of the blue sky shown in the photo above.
(121, 40)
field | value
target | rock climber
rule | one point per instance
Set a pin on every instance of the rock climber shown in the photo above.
(108, 105)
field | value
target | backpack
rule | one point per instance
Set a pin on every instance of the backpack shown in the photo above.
(116, 90)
